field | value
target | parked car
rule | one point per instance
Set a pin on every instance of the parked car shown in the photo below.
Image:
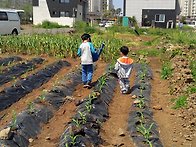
(9, 22)
(109, 24)
(192, 24)
(102, 23)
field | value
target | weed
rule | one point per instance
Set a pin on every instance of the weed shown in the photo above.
(191, 89)
(166, 70)
(180, 102)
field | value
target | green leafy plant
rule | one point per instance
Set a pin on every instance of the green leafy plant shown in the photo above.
(166, 70)
(72, 138)
(180, 102)
(31, 107)
(83, 117)
(42, 97)
(76, 122)
(88, 106)
(14, 120)
(146, 132)
(141, 103)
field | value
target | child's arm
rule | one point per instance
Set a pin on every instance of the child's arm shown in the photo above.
(79, 52)
(116, 67)
(93, 50)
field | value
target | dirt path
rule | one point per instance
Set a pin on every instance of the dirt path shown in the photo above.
(165, 117)
(52, 131)
(114, 130)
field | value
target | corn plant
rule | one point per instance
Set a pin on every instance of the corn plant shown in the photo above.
(72, 138)
(31, 107)
(88, 106)
(14, 120)
(83, 117)
(42, 97)
(102, 82)
(76, 122)
(146, 132)
(141, 103)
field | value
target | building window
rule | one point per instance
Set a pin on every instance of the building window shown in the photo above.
(67, 14)
(160, 18)
(64, 1)
(62, 14)
(3, 16)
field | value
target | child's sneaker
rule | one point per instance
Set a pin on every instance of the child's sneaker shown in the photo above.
(124, 92)
(85, 86)
(89, 85)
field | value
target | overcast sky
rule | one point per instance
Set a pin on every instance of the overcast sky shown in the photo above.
(118, 4)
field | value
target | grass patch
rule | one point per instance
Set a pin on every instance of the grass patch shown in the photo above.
(193, 69)
(166, 70)
(191, 89)
(50, 25)
(180, 102)
(148, 52)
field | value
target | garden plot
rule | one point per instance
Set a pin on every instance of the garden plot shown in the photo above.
(9, 60)
(27, 124)
(142, 127)
(19, 69)
(84, 128)
(22, 87)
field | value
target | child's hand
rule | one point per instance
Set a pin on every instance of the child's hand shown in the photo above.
(102, 45)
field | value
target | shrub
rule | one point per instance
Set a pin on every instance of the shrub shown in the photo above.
(50, 25)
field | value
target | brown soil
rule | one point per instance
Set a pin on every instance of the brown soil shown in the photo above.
(114, 130)
(56, 126)
(170, 125)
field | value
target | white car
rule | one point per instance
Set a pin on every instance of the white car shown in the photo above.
(192, 24)
(9, 22)
(109, 24)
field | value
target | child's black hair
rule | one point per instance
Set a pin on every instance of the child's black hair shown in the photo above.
(85, 36)
(124, 50)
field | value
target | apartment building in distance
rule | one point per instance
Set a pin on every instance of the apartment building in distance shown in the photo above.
(188, 8)
(156, 13)
(64, 12)
(99, 6)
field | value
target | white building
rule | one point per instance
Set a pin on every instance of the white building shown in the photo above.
(64, 12)
(188, 8)
(160, 13)
(100, 5)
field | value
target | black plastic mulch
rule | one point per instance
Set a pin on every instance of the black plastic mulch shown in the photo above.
(19, 69)
(141, 117)
(14, 93)
(28, 123)
(87, 134)
(7, 61)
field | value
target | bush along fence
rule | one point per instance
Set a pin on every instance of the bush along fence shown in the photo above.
(18, 69)
(22, 87)
(83, 129)
(9, 60)
(141, 126)
(27, 124)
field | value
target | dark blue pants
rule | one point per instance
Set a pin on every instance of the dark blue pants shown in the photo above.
(87, 73)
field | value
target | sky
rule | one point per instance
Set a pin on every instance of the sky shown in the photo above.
(118, 4)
